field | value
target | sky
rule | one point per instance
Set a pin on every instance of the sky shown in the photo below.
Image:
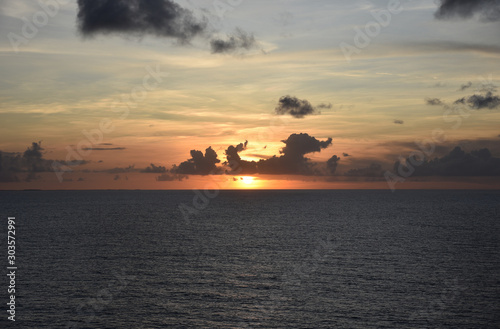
(230, 94)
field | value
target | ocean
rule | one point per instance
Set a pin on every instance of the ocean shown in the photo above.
(254, 259)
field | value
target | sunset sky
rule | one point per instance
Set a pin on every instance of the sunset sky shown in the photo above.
(120, 85)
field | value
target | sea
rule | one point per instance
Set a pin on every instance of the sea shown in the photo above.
(253, 259)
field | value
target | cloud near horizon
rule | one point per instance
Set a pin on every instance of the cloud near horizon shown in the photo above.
(291, 161)
(456, 163)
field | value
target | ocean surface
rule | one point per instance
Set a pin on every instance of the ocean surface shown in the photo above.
(254, 259)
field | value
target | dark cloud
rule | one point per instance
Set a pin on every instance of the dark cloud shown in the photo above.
(454, 46)
(297, 108)
(103, 148)
(31, 161)
(199, 164)
(171, 177)
(325, 106)
(456, 163)
(235, 163)
(434, 101)
(488, 88)
(239, 40)
(291, 161)
(488, 101)
(488, 10)
(373, 170)
(152, 168)
(399, 122)
(479, 102)
(161, 17)
(6, 176)
(331, 164)
(119, 170)
(465, 86)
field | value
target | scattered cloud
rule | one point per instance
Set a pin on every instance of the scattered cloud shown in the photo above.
(373, 170)
(298, 108)
(291, 161)
(199, 164)
(30, 161)
(331, 164)
(434, 102)
(162, 18)
(103, 148)
(479, 102)
(171, 177)
(239, 40)
(488, 10)
(465, 86)
(328, 106)
(457, 163)
(152, 168)
(119, 170)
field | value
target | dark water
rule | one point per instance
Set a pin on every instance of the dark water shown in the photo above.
(255, 259)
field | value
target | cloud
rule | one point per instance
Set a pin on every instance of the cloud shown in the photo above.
(119, 170)
(152, 168)
(465, 86)
(325, 106)
(199, 164)
(332, 164)
(103, 148)
(235, 163)
(399, 122)
(479, 102)
(239, 40)
(373, 170)
(30, 161)
(298, 108)
(291, 161)
(489, 101)
(488, 10)
(161, 18)
(171, 177)
(457, 163)
(434, 101)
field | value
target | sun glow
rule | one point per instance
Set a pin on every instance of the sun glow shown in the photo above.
(247, 180)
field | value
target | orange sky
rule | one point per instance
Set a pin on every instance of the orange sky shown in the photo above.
(122, 101)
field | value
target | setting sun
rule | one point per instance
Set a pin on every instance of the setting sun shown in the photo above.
(247, 180)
